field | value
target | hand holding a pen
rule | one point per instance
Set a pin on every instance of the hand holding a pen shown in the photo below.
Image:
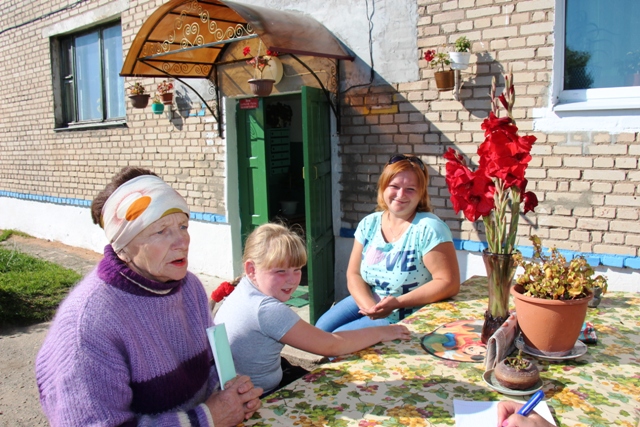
(512, 414)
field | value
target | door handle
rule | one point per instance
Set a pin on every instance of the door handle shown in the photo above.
(316, 169)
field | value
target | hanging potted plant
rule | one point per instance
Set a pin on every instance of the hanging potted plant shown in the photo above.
(157, 106)
(461, 55)
(165, 91)
(445, 79)
(551, 298)
(138, 96)
(495, 192)
(260, 86)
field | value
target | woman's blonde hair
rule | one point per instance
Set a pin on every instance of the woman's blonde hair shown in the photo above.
(391, 170)
(274, 245)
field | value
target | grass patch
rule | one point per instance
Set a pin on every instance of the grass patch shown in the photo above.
(8, 233)
(30, 288)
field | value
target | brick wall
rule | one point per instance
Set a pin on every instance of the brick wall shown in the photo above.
(36, 160)
(588, 183)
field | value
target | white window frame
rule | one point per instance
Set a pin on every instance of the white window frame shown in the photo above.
(613, 110)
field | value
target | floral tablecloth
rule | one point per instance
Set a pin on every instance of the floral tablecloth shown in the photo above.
(399, 384)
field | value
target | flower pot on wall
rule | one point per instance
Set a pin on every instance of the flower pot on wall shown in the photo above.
(261, 87)
(459, 60)
(550, 326)
(445, 80)
(167, 98)
(157, 108)
(139, 101)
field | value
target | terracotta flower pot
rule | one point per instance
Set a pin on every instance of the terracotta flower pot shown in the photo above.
(515, 379)
(445, 80)
(550, 326)
(261, 87)
(167, 98)
(139, 101)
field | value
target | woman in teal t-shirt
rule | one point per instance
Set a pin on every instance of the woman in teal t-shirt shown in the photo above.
(402, 257)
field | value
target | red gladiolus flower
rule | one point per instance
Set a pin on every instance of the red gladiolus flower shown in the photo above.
(222, 291)
(497, 187)
(530, 201)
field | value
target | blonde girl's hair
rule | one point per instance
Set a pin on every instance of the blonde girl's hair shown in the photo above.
(274, 245)
(391, 170)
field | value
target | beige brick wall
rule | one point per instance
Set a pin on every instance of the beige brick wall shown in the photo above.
(36, 160)
(588, 183)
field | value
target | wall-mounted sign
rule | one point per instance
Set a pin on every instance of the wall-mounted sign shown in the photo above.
(249, 103)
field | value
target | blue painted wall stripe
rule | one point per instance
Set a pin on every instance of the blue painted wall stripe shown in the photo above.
(593, 260)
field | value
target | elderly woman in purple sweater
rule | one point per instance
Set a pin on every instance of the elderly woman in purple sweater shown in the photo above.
(128, 346)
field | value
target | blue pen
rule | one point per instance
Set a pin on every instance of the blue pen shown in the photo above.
(528, 407)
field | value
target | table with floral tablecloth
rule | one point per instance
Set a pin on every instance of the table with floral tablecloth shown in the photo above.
(399, 384)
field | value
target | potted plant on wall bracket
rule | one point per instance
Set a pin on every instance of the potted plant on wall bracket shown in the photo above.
(551, 298)
(157, 106)
(461, 55)
(445, 79)
(165, 89)
(138, 96)
(260, 86)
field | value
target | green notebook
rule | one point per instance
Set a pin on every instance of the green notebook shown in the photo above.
(221, 353)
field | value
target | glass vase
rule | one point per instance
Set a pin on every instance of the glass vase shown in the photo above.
(500, 271)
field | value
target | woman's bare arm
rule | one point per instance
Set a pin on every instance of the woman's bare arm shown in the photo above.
(442, 262)
(307, 337)
(358, 288)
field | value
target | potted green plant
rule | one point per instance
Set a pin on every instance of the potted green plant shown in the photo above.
(138, 95)
(517, 372)
(551, 298)
(461, 55)
(165, 92)
(445, 79)
(259, 85)
(157, 106)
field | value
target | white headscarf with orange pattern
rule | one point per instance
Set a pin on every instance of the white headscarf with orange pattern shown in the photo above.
(135, 205)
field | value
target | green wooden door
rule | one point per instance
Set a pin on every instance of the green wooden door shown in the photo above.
(317, 175)
(252, 168)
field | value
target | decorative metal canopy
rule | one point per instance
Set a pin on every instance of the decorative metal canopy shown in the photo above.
(186, 38)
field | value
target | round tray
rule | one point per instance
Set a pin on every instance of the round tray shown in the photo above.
(578, 350)
(490, 378)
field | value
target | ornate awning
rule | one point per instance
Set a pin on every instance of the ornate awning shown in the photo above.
(186, 38)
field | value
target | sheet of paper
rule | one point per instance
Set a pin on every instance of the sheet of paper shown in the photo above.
(485, 414)
(221, 353)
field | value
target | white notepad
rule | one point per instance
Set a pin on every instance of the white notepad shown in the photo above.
(221, 353)
(481, 414)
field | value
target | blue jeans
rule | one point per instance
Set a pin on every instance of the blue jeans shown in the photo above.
(344, 316)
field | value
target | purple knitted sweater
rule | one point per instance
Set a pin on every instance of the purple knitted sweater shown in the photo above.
(117, 354)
